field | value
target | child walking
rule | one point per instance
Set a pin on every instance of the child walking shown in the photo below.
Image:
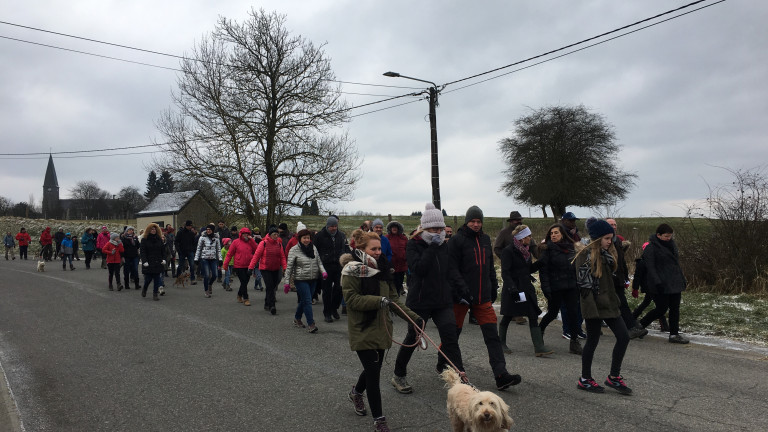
(67, 250)
(113, 251)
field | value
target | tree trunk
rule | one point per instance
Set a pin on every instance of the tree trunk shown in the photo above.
(544, 211)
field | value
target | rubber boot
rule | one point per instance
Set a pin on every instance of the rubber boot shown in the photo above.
(538, 343)
(575, 347)
(503, 336)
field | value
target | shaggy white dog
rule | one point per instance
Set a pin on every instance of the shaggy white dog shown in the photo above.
(41, 266)
(471, 410)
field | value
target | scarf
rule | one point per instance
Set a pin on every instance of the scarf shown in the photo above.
(308, 250)
(370, 272)
(523, 249)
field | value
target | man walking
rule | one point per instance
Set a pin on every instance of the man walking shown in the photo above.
(186, 246)
(331, 244)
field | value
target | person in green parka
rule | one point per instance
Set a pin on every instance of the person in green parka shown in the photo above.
(366, 282)
(596, 266)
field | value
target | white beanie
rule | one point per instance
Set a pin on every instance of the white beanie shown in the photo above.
(300, 226)
(432, 217)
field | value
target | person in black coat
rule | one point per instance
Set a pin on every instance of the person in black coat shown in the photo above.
(153, 253)
(558, 280)
(516, 269)
(331, 243)
(664, 279)
(186, 245)
(430, 294)
(130, 257)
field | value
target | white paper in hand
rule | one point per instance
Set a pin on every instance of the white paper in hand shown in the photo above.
(522, 297)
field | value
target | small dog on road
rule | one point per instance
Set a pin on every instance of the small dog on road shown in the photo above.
(41, 265)
(472, 410)
(182, 280)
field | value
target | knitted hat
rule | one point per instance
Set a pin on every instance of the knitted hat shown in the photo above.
(283, 226)
(590, 220)
(114, 236)
(377, 222)
(271, 229)
(211, 226)
(432, 217)
(599, 229)
(300, 226)
(188, 223)
(332, 221)
(130, 228)
(225, 241)
(473, 212)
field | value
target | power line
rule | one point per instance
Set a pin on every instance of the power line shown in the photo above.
(79, 156)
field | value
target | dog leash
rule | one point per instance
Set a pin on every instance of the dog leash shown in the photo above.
(420, 333)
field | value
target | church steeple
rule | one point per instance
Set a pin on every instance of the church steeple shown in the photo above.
(50, 191)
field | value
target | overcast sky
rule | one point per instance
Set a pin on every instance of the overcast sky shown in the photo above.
(685, 96)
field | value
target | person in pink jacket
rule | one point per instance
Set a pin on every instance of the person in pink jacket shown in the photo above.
(270, 257)
(240, 253)
(101, 240)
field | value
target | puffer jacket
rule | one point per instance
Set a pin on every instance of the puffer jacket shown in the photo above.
(269, 255)
(113, 258)
(67, 246)
(302, 267)
(131, 245)
(102, 239)
(374, 336)
(472, 254)
(46, 239)
(662, 266)
(208, 248)
(556, 271)
(433, 276)
(598, 297)
(399, 243)
(23, 238)
(516, 278)
(152, 252)
(240, 251)
(88, 242)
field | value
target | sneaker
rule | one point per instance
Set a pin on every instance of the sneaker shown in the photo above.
(617, 383)
(506, 380)
(328, 319)
(566, 336)
(162, 290)
(677, 339)
(637, 332)
(298, 323)
(335, 315)
(589, 385)
(582, 335)
(207, 294)
(358, 402)
(380, 425)
(246, 302)
(401, 385)
(312, 329)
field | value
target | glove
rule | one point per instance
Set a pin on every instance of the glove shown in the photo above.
(287, 288)
(325, 275)
(626, 284)
(385, 302)
(250, 271)
(146, 264)
(436, 240)
(162, 262)
(635, 293)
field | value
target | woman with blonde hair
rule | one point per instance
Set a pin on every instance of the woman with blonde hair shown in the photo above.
(369, 293)
(152, 250)
(596, 265)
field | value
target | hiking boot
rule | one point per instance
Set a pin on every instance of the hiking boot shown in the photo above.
(144, 292)
(246, 302)
(677, 339)
(298, 323)
(335, 315)
(155, 297)
(136, 284)
(110, 288)
(575, 347)
(380, 425)
(617, 383)
(358, 402)
(239, 299)
(328, 319)
(401, 385)
(506, 380)
(589, 385)
(272, 310)
(637, 332)
(312, 329)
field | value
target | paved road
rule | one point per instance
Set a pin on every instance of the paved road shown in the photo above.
(80, 358)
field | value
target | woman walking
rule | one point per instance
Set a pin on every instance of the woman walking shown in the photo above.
(207, 257)
(596, 265)
(46, 241)
(240, 253)
(369, 292)
(152, 250)
(101, 240)
(516, 269)
(113, 251)
(270, 258)
(305, 266)
(558, 279)
(24, 240)
(88, 243)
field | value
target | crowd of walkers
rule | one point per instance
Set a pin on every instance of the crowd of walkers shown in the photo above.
(431, 274)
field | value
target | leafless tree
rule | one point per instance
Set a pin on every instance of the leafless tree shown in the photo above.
(257, 113)
(131, 201)
(89, 198)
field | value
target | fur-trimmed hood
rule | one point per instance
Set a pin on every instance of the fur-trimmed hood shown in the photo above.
(400, 227)
(345, 259)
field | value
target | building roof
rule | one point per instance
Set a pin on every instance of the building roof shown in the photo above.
(50, 174)
(168, 203)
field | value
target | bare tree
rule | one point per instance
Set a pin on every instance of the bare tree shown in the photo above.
(131, 201)
(256, 115)
(89, 198)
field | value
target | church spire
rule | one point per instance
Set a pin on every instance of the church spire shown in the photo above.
(50, 174)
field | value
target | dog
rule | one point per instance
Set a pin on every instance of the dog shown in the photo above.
(182, 280)
(471, 410)
(41, 265)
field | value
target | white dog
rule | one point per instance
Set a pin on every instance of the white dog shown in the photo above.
(471, 410)
(41, 266)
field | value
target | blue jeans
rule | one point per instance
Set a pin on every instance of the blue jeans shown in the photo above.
(227, 275)
(208, 268)
(305, 288)
(156, 279)
(190, 258)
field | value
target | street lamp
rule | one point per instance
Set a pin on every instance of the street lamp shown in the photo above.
(432, 98)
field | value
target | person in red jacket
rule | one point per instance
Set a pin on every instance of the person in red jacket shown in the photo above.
(240, 253)
(46, 241)
(101, 240)
(271, 259)
(398, 241)
(113, 251)
(24, 240)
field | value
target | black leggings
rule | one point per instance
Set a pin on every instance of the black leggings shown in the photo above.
(369, 378)
(619, 330)
(242, 274)
(556, 298)
(663, 303)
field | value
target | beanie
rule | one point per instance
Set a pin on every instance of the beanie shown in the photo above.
(114, 236)
(599, 228)
(188, 223)
(473, 212)
(211, 226)
(377, 222)
(432, 217)
(332, 221)
(300, 226)
(590, 220)
(271, 229)
(283, 226)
